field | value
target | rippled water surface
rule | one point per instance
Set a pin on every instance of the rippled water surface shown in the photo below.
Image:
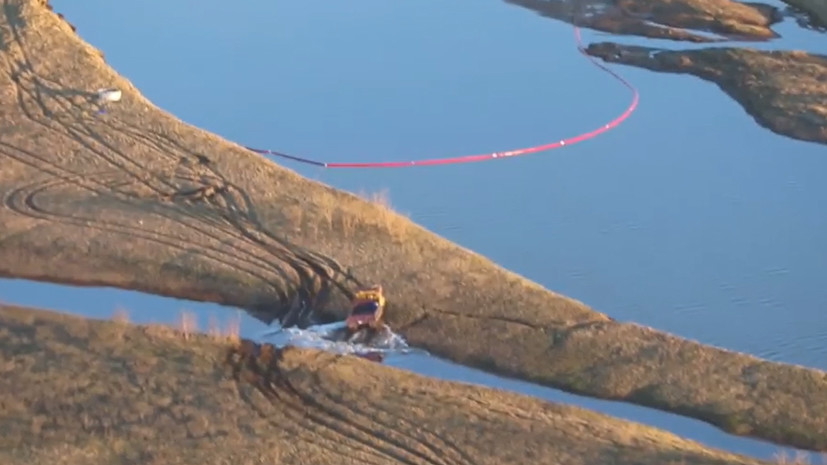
(689, 217)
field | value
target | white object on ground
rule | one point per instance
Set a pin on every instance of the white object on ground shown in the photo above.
(109, 95)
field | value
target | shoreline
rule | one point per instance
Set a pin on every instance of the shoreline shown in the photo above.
(815, 8)
(181, 212)
(164, 395)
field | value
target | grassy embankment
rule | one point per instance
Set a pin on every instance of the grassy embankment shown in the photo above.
(79, 391)
(135, 198)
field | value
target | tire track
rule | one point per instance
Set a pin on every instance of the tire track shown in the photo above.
(284, 254)
(14, 18)
(313, 259)
(276, 386)
(319, 263)
(30, 205)
(307, 278)
(244, 365)
(315, 272)
(430, 440)
(302, 433)
(23, 201)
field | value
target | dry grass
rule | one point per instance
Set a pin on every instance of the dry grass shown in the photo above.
(187, 323)
(336, 216)
(120, 315)
(442, 297)
(381, 198)
(232, 329)
(800, 458)
(153, 401)
(121, 318)
(186, 326)
(330, 215)
(213, 326)
(386, 217)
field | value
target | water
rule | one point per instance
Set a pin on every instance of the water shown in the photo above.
(103, 303)
(689, 217)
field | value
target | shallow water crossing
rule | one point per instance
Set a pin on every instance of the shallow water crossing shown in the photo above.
(689, 224)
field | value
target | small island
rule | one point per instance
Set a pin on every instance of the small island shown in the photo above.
(137, 199)
(78, 391)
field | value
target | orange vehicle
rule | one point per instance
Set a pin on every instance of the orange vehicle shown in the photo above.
(367, 309)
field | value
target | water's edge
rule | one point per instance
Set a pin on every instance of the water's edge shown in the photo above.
(141, 308)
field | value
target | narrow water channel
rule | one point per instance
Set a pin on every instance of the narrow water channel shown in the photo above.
(102, 303)
(689, 218)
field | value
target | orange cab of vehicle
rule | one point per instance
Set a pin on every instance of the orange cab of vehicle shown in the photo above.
(367, 309)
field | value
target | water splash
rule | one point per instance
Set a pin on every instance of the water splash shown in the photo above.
(325, 337)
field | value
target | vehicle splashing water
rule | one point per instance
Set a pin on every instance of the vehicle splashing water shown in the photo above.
(328, 337)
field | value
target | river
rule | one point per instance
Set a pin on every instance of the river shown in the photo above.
(689, 217)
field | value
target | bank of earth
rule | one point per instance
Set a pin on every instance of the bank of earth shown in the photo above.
(75, 391)
(137, 199)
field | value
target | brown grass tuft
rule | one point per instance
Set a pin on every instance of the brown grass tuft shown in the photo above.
(213, 326)
(186, 326)
(120, 315)
(233, 328)
(800, 458)
(386, 217)
(159, 330)
(187, 323)
(381, 198)
(121, 318)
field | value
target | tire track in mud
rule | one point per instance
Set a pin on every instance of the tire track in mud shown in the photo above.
(227, 209)
(429, 440)
(30, 191)
(23, 201)
(56, 90)
(300, 432)
(163, 143)
(258, 365)
(231, 228)
(239, 360)
(312, 260)
(304, 263)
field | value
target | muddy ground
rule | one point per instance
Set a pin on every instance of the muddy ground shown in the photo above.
(76, 391)
(135, 198)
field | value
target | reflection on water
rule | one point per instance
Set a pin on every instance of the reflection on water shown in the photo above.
(689, 218)
(141, 308)
(805, 19)
(658, 20)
